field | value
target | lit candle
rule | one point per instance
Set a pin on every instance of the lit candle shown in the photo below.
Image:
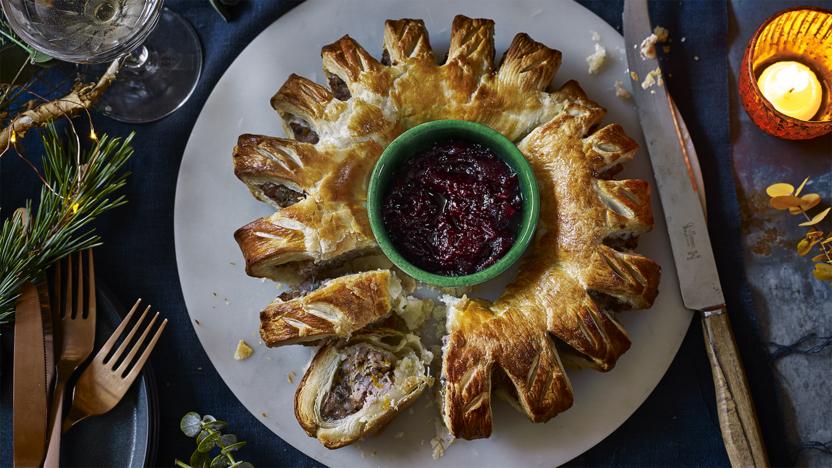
(792, 88)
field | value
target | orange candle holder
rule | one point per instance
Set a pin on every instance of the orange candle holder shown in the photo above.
(804, 35)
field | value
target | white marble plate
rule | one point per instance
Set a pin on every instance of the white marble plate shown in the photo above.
(211, 204)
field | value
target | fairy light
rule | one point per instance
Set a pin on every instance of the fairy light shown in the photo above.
(75, 207)
(13, 137)
(93, 136)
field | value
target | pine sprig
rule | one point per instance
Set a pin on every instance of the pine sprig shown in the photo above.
(78, 185)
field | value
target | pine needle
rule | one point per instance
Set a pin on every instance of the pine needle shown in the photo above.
(60, 226)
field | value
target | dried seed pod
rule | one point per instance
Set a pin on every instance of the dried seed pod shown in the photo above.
(800, 188)
(809, 201)
(816, 219)
(780, 189)
(782, 202)
(823, 271)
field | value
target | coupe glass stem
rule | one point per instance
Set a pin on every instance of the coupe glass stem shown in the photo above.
(137, 58)
(158, 76)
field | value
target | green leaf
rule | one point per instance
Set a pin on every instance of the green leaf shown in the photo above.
(220, 461)
(202, 435)
(191, 424)
(209, 442)
(233, 447)
(199, 459)
(216, 425)
(227, 439)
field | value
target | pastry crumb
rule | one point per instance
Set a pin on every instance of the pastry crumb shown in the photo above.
(654, 77)
(648, 47)
(291, 376)
(441, 441)
(662, 34)
(197, 322)
(633, 75)
(243, 351)
(595, 36)
(414, 311)
(597, 59)
(620, 91)
(264, 414)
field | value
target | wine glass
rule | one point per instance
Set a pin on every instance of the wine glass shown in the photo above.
(164, 58)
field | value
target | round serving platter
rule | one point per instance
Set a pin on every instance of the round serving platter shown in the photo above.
(211, 203)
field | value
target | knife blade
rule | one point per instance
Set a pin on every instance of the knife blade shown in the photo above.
(29, 381)
(691, 244)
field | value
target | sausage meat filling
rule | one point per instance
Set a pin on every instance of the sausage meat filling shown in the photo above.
(363, 375)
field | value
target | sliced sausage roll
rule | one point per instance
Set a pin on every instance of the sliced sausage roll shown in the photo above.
(337, 308)
(354, 388)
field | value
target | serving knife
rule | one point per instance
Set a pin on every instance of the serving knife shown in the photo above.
(29, 381)
(691, 245)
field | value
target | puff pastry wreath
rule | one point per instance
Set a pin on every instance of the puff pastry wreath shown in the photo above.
(578, 271)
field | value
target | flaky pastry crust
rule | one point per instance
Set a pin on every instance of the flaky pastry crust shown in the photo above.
(337, 309)
(579, 269)
(409, 376)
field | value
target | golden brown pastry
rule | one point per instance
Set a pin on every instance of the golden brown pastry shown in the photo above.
(318, 180)
(354, 388)
(579, 270)
(338, 308)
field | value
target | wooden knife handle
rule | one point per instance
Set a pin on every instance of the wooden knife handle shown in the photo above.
(737, 418)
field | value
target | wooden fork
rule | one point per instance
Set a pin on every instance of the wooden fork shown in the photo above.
(76, 331)
(103, 384)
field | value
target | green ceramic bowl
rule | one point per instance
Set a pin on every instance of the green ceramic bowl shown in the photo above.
(424, 136)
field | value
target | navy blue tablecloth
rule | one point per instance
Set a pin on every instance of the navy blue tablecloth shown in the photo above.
(676, 425)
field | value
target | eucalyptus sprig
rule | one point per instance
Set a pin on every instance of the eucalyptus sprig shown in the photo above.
(785, 197)
(213, 448)
(77, 185)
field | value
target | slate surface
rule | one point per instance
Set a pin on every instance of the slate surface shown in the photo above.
(789, 302)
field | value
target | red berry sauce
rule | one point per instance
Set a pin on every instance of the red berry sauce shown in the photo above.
(453, 209)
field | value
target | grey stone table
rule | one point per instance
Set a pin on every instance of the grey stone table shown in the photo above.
(791, 304)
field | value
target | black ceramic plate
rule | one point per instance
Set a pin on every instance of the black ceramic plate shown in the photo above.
(126, 436)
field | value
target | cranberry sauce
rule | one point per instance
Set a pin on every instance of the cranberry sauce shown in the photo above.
(453, 209)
